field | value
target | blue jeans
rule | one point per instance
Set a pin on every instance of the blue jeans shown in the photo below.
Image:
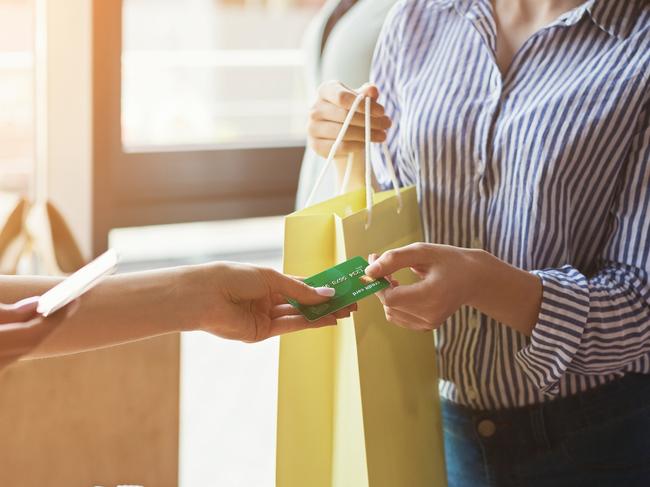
(600, 438)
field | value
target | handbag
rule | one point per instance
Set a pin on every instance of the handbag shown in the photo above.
(358, 403)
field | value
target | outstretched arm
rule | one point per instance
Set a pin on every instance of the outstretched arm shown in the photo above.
(233, 301)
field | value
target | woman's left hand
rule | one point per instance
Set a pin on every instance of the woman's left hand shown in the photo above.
(22, 329)
(447, 281)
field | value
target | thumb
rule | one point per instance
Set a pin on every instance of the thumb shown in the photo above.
(396, 259)
(370, 90)
(298, 290)
(19, 312)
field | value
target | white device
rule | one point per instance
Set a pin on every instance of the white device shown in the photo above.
(78, 283)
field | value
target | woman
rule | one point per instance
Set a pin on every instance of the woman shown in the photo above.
(232, 301)
(338, 45)
(525, 125)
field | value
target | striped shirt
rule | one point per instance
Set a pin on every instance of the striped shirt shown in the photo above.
(547, 167)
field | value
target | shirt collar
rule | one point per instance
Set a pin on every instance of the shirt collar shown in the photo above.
(616, 17)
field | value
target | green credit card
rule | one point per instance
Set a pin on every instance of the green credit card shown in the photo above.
(350, 282)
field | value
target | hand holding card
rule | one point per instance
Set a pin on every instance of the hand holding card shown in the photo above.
(349, 281)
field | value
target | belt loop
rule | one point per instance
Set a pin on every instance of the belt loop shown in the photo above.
(538, 426)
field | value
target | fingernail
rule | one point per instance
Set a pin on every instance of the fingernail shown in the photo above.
(371, 269)
(25, 303)
(326, 291)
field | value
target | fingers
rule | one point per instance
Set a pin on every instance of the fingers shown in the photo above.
(406, 320)
(388, 277)
(290, 324)
(283, 310)
(411, 296)
(277, 299)
(19, 312)
(18, 339)
(400, 258)
(296, 289)
(323, 129)
(370, 90)
(340, 95)
(324, 110)
(287, 319)
(330, 110)
(289, 310)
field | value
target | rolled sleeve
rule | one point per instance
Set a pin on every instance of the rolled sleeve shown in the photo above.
(600, 324)
(558, 333)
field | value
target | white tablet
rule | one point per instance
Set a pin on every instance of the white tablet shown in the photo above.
(78, 283)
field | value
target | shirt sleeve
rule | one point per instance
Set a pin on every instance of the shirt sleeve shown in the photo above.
(600, 324)
(384, 73)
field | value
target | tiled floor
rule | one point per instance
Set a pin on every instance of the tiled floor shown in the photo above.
(228, 389)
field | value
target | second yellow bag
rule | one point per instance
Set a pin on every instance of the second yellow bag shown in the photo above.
(358, 403)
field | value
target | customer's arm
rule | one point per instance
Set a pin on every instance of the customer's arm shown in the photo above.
(229, 300)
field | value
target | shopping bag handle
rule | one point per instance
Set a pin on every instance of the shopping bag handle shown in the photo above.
(348, 170)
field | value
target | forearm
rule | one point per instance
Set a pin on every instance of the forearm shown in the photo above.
(509, 295)
(121, 309)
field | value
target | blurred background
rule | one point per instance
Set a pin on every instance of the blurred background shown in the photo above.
(173, 131)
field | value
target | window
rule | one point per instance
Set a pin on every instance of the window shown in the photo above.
(16, 95)
(199, 110)
(213, 71)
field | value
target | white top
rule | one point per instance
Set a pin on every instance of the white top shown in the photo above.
(347, 57)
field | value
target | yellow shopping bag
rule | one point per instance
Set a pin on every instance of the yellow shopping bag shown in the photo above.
(358, 403)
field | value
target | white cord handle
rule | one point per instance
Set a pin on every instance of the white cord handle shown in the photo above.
(335, 147)
(348, 174)
(369, 189)
(348, 169)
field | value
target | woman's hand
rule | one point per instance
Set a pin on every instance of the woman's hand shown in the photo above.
(328, 113)
(451, 277)
(248, 303)
(22, 329)
(446, 283)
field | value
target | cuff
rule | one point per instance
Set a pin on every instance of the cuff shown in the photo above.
(559, 329)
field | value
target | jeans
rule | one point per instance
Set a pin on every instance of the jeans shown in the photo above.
(600, 438)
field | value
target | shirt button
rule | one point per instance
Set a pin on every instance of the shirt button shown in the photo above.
(486, 428)
(480, 166)
(477, 243)
(472, 395)
(474, 319)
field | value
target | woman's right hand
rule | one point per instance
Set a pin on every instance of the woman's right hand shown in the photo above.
(328, 113)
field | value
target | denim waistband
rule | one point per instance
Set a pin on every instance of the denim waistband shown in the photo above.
(546, 424)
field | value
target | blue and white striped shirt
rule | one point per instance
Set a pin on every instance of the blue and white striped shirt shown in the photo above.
(547, 167)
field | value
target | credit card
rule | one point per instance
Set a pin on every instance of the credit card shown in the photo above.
(350, 282)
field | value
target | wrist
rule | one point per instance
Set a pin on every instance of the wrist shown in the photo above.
(476, 271)
(506, 293)
(185, 292)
